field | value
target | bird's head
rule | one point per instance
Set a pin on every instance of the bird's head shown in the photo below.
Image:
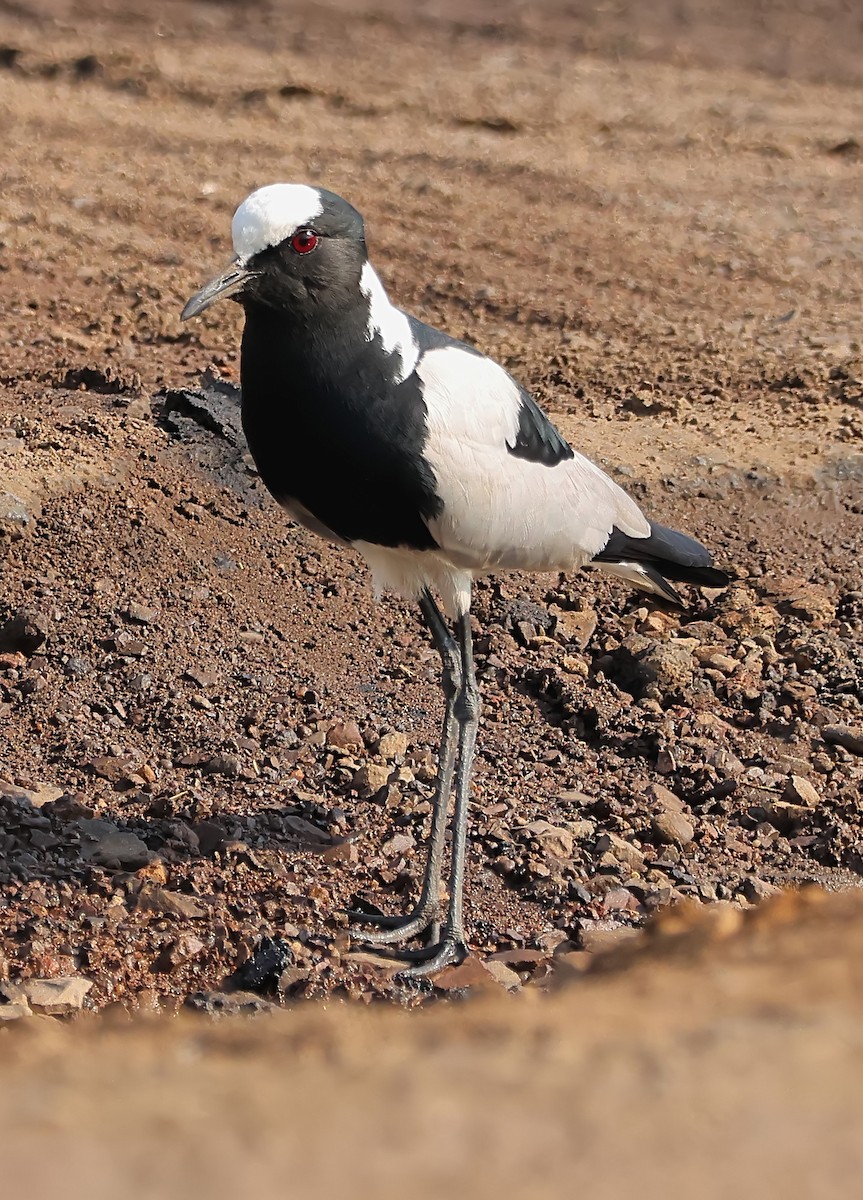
(298, 249)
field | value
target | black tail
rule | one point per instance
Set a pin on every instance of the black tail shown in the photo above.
(665, 555)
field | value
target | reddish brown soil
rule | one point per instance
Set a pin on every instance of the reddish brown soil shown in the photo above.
(652, 215)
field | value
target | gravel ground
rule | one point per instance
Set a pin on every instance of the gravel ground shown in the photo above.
(209, 734)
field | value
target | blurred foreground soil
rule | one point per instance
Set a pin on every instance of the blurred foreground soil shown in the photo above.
(209, 735)
(720, 1054)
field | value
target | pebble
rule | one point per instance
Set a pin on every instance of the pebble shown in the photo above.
(155, 899)
(15, 516)
(392, 745)
(474, 975)
(840, 735)
(787, 818)
(660, 671)
(12, 1012)
(223, 1004)
(41, 794)
(672, 828)
(619, 848)
(222, 764)
(140, 614)
(597, 937)
(24, 631)
(576, 627)
(371, 779)
(554, 840)
(399, 843)
(114, 849)
(269, 959)
(573, 797)
(344, 735)
(755, 889)
(305, 830)
(663, 799)
(800, 791)
(115, 770)
(55, 996)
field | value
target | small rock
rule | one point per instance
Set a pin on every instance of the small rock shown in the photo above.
(672, 828)
(755, 889)
(344, 851)
(619, 900)
(56, 996)
(811, 603)
(573, 798)
(75, 668)
(305, 830)
(663, 671)
(581, 829)
(620, 849)
(576, 627)
(211, 836)
(371, 779)
(15, 516)
(710, 656)
(661, 798)
(11, 1012)
(399, 843)
(220, 1004)
(598, 937)
(24, 631)
(155, 899)
(291, 976)
(553, 839)
(787, 818)
(475, 975)
(139, 614)
(270, 958)
(392, 745)
(800, 791)
(222, 764)
(840, 735)
(183, 950)
(523, 959)
(503, 975)
(344, 735)
(115, 849)
(115, 770)
(726, 763)
(41, 794)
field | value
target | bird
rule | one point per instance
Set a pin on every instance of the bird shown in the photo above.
(383, 434)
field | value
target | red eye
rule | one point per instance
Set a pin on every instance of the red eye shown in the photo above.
(304, 241)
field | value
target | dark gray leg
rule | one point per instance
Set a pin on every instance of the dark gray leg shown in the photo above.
(427, 910)
(453, 947)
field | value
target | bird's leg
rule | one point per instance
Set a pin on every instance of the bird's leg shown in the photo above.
(425, 914)
(452, 947)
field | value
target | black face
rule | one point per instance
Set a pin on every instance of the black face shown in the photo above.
(318, 266)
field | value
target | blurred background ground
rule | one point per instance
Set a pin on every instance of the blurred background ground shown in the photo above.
(652, 215)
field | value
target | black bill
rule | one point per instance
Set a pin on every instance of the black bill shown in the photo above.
(226, 284)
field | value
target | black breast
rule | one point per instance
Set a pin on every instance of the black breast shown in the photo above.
(328, 426)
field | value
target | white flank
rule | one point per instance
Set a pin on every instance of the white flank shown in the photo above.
(407, 572)
(271, 214)
(501, 511)
(389, 322)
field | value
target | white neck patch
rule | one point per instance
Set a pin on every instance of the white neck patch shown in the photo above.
(389, 323)
(271, 214)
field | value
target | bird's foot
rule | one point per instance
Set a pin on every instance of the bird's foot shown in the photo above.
(428, 960)
(395, 930)
(431, 959)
